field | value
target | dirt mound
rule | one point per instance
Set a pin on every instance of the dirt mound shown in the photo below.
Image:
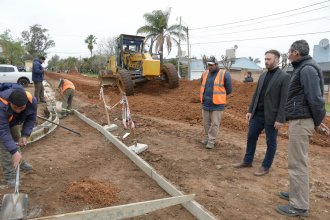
(181, 104)
(91, 192)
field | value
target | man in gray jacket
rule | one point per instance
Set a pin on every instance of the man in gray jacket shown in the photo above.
(266, 112)
(305, 110)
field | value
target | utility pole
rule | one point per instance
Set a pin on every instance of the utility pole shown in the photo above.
(179, 52)
(188, 53)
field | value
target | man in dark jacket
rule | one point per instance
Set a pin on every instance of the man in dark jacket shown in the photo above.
(17, 107)
(305, 110)
(216, 85)
(37, 78)
(267, 111)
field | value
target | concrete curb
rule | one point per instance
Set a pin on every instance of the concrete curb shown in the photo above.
(193, 207)
(45, 128)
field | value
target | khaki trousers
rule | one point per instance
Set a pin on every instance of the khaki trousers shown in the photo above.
(211, 123)
(300, 131)
(39, 91)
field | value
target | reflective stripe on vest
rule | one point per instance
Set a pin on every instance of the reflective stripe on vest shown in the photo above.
(67, 85)
(4, 101)
(219, 91)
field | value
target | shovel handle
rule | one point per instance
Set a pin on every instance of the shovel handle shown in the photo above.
(17, 179)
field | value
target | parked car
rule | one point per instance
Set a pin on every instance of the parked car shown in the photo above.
(10, 74)
(21, 68)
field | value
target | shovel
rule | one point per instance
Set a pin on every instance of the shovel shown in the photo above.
(15, 205)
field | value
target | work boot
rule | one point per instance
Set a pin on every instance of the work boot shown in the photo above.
(210, 144)
(284, 195)
(204, 141)
(290, 211)
(26, 166)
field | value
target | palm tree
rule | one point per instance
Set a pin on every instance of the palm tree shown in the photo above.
(90, 41)
(256, 60)
(159, 31)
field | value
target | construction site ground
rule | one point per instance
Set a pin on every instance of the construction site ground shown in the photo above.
(73, 173)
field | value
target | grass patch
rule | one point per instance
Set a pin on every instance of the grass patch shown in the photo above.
(90, 74)
(327, 107)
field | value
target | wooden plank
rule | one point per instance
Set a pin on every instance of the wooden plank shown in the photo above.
(121, 211)
(193, 207)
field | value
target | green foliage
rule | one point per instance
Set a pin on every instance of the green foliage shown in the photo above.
(90, 41)
(327, 107)
(13, 50)
(159, 32)
(37, 41)
(183, 67)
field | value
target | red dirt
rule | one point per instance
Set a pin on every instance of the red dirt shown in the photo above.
(169, 121)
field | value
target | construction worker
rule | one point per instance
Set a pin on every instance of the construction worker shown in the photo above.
(216, 85)
(66, 88)
(37, 78)
(17, 107)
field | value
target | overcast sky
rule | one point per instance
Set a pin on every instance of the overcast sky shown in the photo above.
(214, 25)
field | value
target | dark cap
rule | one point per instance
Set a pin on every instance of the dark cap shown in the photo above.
(212, 60)
(18, 98)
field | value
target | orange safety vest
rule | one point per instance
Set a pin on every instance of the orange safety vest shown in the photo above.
(219, 91)
(67, 84)
(4, 101)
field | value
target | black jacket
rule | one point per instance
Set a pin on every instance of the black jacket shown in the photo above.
(305, 98)
(275, 97)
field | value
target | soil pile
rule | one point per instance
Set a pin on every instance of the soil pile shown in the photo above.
(91, 192)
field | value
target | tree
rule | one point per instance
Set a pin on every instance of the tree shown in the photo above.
(160, 33)
(227, 62)
(37, 40)
(256, 60)
(107, 46)
(53, 63)
(90, 41)
(13, 51)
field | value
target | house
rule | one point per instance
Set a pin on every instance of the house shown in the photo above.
(237, 70)
(241, 66)
(321, 55)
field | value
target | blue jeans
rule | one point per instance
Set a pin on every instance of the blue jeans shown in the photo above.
(256, 125)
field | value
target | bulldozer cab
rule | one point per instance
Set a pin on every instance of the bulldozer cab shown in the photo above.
(130, 51)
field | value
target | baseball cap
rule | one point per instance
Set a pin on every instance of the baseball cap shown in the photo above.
(212, 61)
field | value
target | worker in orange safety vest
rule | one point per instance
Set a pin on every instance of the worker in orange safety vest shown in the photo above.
(66, 88)
(216, 85)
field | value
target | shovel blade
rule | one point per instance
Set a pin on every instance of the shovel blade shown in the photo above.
(14, 206)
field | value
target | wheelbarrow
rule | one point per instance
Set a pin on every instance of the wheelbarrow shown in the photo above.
(14, 205)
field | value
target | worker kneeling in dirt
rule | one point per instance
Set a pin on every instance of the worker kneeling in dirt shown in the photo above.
(17, 107)
(66, 88)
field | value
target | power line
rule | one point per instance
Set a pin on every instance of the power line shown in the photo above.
(262, 28)
(261, 38)
(258, 22)
(251, 19)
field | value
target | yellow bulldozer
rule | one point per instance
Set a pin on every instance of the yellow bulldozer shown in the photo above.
(131, 65)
